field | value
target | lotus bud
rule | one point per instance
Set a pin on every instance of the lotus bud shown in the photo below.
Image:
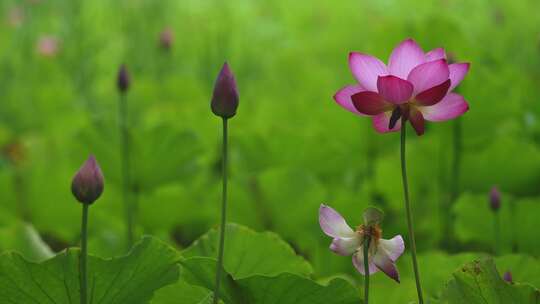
(495, 199)
(508, 277)
(166, 39)
(123, 80)
(225, 98)
(87, 184)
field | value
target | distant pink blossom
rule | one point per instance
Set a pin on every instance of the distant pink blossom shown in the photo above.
(16, 16)
(48, 46)
(346, 241)
(166, 38)
(414, 86)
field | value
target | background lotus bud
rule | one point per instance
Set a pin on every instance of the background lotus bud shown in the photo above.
(123, 80)
(494, 199)
(225, 97)
(508, 277)
(47, 46)
(87, 185)
(166, 39)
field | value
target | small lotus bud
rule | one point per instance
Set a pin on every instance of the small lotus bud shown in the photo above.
(225, 97)
(166, 39)
(508, 277)
(87, 185)
(372, 216)
(123, 79)
(494, 199)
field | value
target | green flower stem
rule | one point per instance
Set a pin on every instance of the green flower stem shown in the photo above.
(409, 213)
(84, 254)
(219, 269)
(513, 217)
(454, 186)
(497, 232)
(366, 269)
(129, 207)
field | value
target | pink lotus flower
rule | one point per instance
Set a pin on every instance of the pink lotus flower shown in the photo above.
(382, 253)
(415, 86)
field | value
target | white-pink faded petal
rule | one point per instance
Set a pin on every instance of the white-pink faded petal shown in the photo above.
(435, 54)
(333, 224)
(405, 57)
(343, 97)
(386, 265)
(450, 107)
(358, 262)
(457, 73)
(381, 123)
(393, 247)
(366, 69)
(345, 246)
(428, 75)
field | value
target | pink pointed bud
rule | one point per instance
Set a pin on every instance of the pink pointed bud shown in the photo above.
(123, 80)
(508, 277)
(495, 199)
(166, 39)
(87, 184)
(225, 97)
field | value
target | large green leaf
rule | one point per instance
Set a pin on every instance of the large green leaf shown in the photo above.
(285, 288)
(130, 279)
(479, 282)
(250, 253)
(184, 293)
(24, 239)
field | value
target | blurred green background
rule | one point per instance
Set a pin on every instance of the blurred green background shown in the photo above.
(292, 147)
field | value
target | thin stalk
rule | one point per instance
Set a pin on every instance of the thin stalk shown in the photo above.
(454, 188)
(129, 209)
(514, 232)
(219, 269)
(409, 213)
(83, 255)
(366, 269)
(497, 233)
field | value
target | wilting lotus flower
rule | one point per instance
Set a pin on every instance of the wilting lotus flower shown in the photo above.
(415, 86)
(382, 253)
